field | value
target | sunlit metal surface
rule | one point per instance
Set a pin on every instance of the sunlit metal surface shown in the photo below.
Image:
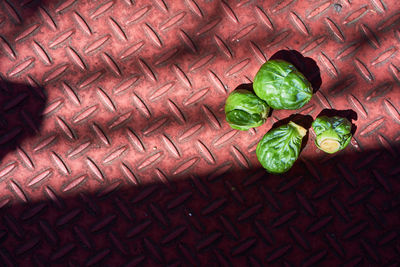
(114, 147)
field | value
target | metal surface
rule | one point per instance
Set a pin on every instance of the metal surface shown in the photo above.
(114, 148)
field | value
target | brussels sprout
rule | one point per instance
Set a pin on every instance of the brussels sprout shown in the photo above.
(279, 148)
(333, 133)
(244, 110)
(281, 85)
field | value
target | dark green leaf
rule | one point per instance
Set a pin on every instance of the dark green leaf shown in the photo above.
(329, 130)
(279, 148)
(281, 85)
(244, 110)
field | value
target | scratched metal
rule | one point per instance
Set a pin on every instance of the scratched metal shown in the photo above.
(114, 148)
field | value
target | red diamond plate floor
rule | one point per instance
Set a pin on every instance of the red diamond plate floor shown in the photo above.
(114, 150)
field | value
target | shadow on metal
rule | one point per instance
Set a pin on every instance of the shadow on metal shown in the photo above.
(21, 109)
(229, 217)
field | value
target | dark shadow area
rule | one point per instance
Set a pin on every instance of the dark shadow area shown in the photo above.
(305, 65)
(349, 114)
(21, 108)
(245, 86)
(304, 121)
(228, 218)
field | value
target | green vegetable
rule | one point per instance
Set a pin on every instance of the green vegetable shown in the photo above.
(333, 133)
(279, 148)
(281, 85)
(244, 110)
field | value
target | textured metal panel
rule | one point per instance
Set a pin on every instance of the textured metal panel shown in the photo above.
(114, 148)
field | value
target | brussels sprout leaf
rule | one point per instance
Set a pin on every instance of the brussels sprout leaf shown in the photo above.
(332, 133)
(281, 85)
(244, 110)
(280, 147)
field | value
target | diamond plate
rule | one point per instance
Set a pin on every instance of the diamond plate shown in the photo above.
(115, 151)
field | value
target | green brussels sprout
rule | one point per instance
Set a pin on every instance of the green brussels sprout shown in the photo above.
(281, 85)
(244, 110)
(279, 148)
(332, 133)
